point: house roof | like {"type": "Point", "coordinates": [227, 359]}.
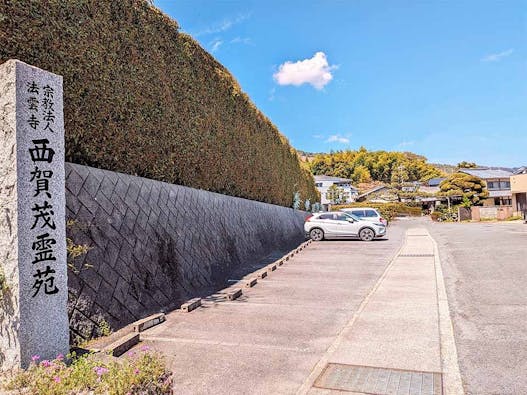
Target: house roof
{"type": "Point", "coordinates": [521, 170]}
{"type": "Point", "coordinates": [331, 178]}
{"type": "Point", "coordinates": [487, 173]}
{"type": "Point", "coordinates": [434, 182]}
{"type": "Point", "coordinates": [376, 189]}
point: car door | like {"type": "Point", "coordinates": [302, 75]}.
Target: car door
{"type": "Point", "coordinates": [345, 227]}
{"type": "Point", "coordinates": [328, 224]}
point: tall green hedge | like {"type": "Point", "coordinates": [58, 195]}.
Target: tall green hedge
{"type": "Point", "coordinates": [143, 98]}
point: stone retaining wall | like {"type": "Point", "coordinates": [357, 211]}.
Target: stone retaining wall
{"type": "Point", "coordinates": [153, 245]}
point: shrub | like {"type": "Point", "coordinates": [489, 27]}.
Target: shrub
{"type": "Point", "coordinates": [387, 210]}
{"type": "Point", "coordinates": [142, 98]}
{"type": "Point", "coordinates": [138, 373]}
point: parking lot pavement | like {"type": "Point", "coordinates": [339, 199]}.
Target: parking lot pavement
{"type": "Point", "coordinates": [485, 270]}
{"type": "Point", "coordinates": [270, 340]}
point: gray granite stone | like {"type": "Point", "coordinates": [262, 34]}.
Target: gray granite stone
{"type": "Point", "coordinates": [33, 235]}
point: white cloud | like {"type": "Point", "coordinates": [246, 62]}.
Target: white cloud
{"type": "Point", "coordinates": [496, 57]}
{"type": "Point", "coordinates": [223, 25]}
{"type": "Point", "coordinates": [215, 45]}
{"type": "Point", "coordinates": [315, 71]}
{"type": "Point", "coordinates": [241, 40]}
{"type": "Point", "coordinates": [337, 139]}
{"type": "Point", "coordinates": [271, 94]}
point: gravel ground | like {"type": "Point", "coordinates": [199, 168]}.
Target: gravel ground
{"type": "Point", "coordinates": [485, 269]}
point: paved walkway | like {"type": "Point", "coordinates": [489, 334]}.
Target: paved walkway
{"type": "Point", "coordinates": [340, 316]}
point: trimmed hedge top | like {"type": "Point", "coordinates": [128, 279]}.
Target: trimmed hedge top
{"type": "Point", "coordinates": [142, 98]}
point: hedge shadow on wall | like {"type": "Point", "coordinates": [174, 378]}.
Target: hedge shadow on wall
{"type": "Point", "coordinates": [145, 99]}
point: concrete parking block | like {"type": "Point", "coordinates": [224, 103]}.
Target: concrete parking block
{"type": "Point", "coordinates": [234, 294]}
{"type": "Point", "coordinates": [192, 304]}
{"type": "Point", "coordinates": [120, 346]}
{"type": "Point", "coordinates": [148, 322]}
{"type": "Point", "coordinates": [251, 282]}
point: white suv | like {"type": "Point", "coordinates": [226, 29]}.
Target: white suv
{"type": "Point", "coordinates": [367, 214]}
{"type": "Point", "coordinates": [340, 225]}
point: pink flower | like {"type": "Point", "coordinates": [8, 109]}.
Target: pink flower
{"type": "Point", "coordinates": [131, 353]}
{"type": "Point", "coordinates": [145, 348]}
{"type": "Point", "coordinates": [100, 370]}
{"type": "Point", "coordinates": [46, 363]}
{"type": "Point", "coordinates": [60, 357]}
{"type": "Point", "coordinates": [56, 379]}
{"type": "Point", "coordinates": [136, 371]}
{"type": "Point", "coordinates": [35, 358]}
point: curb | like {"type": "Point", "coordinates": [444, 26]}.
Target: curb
{"type": "Point", "coordinates": [452, 382]}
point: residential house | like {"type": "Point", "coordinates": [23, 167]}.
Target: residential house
{"type": "Point", "coordinates": [379, 194]}
{"type": "Point", "coordinates": [498, 184]}
{"type": "Point", "coordinates": [519, 191]}
{"type": "Point", "coordinates": [431, 189]}
{"type": "Point", "coordinates": [411, 186]}
{"type": "Point", "coordinates": [323, 183]}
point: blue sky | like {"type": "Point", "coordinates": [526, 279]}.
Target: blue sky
{"type": "Point", "coordinates": [445, 79]}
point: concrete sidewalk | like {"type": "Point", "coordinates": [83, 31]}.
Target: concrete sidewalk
{"type": "Point", "coordinates": [341, 316]}
{"type": "Point", "coordinates": [393, 345]}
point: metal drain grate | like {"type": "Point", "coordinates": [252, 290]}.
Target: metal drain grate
{"type": "Point", "coordinates": [379, 381]}
{"type": "Point", "coordinates": [416, 255]}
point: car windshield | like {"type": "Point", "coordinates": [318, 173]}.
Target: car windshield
{"type": "Point", "coordinates": [353, 216]}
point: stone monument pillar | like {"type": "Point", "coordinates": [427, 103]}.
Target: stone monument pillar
{"type": "Point", "coordinates": [33, 296]}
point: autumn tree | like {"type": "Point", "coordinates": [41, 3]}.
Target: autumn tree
{"type": "Point", "coordinates": [470, 188]}
{"type": "Point", "coordinates": [466, 165]}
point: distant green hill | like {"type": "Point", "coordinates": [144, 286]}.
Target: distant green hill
{"type": "Point", "coordinates": [363, 166]}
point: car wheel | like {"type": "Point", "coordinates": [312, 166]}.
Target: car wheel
{"type": "Point", "coordinates": [367, 234]}
{"type": "Point", "coordinates": [316, 234]}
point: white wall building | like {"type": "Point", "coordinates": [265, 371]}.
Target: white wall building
{"type": "Point", "coordinates": [324, 182]}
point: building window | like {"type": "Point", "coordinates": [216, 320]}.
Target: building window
{"type": "Point", "coordinates": [318, 184]}
{"type": "Point", "coordinates": [505, 185]}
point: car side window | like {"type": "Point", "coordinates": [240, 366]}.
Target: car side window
{"type": "Point", "coordinates": [358, 213]}
{"type": "Point", "coordinates": [371, 213]}
{"type": "Point", "coordinates": [326, 216]}
{"type": "Point", "coordinates": [342, 217]}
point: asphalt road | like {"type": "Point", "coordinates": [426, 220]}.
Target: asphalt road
{"type": "Point", "coordinates": [269, 340]}
{"type": "Point", "coordinates": [485, 270]}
